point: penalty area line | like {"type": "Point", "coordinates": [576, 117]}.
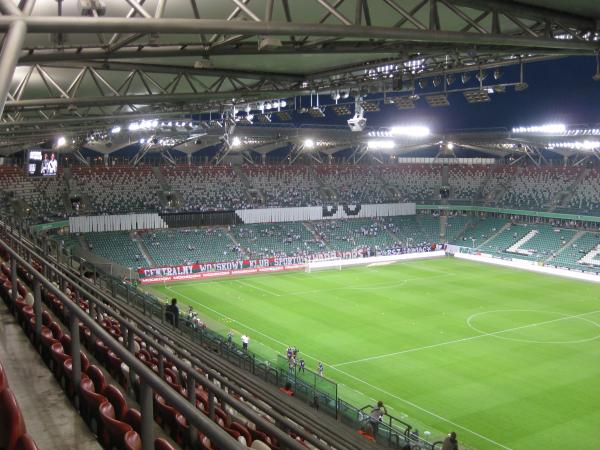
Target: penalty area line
{"type": "Point", "coordinates": [408, 402]}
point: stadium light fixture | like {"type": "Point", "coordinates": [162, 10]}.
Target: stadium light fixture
{"type": "Point", "coordinates": [550, 128]}
{"type": "Point", "coordinates": [116, 130]}
{"type": "Point", "coordinates": [410, 131]}
{"type": "Point", "coordinates": [381, 144]}
{"type": "Point", "coordinates": [134, 126]}
{"type": "Point", "coordinates": [450, 145]}
{"type": "Point", "coordinates": [61, 141]}
{"type": "Point", "coordinates": [236, 141]}
{"type": "Point", "coordinates": [578, 145]}
{"type": "Point", "coordinates": [309, 143]}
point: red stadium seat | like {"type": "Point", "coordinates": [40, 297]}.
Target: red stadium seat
{"type": "Point", "coordinates": [243, 430]}
{"type": "Point", "coordinates": [134, 418]}
{"type": "Point", "coordinates": [133, 441]}
{"type": "Point", "coordinates": [90, 402]}
{"type": "Point", "coordinates": [182, 433]}
{"type": "Point", "coordinates": [162, 444]}
{"type": "Point", "coordinates": [12, 425]}
{"type": "Point", "coordinates": [58, 358]}
{"type": "Point", "coordinates": [97, 377]}
{"type": "Point", "coordinates": [3, 378]}
{"type": "Point", "coordinates": [46, 341]}
{"type": "Point", "coordinates": [114, 430]}
{"type": "Point", "coordinates": [25, 442]}
{"type": "Point", "coordinates": [165, 415]}
{"type": "Point", "coordinates": [117, 400]}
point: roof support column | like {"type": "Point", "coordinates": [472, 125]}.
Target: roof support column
{"type": "Point", "coordinates": [13, 43]}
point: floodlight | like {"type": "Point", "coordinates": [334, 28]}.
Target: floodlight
{"type": "Point", "coordinates": [411, 131]}
{"type": "Point", "coordinates": [381, 144]}
{"type": "Point", "coordinates": [61, 141]}
{"type": "Point", "coordinates": [450, 145]}
{"type": "Point", "coordinates": [134, 126]}
{"type": "Point", "coordinates": [309, 143]}
{"type": "Point", "coordinates": [116, 130]}
{"type": "Point", "coordinates": [236, 141]}
{"type": "Point", "coordinates": [283, 103]}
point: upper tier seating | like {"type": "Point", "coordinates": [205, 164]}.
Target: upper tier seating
{"type": "Point", "coordinates": [586, 193]}
{"type": "Point", "coordinates": [466, 182]}
{"type": "Point", "coordinates": [353, 184]}
{"type": "Point", "coordinates": [284, 185]}
{"type": "Point", "coordinates": [412, 182]}
{"type": "Point", "coordinates": [179, 246]}
{"type": "Point", "coordinates": [44, 195]}
{"type": "Point", "coordinates": [536, 187]}
{"type": "Point", "coordinates": [207, 188]}
{"type": "Point", "coordinates": [117, 189]}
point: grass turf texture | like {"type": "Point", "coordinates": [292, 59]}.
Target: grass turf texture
{"type": "Point", "coordinates": [507, 359]}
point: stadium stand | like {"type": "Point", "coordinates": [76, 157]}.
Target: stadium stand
{"type": "Point", "coordinates": [466, 182]}
{"type": "Point", "coordinates": [573, 253]}
{"type": "Point", "coordinates": [117, 246]}
{"type": "Point", "coordinates": [44, 195]}
{"type": "Point", "coordinates": [585, 196]}
{"type": "Point", "coordinates": [352, 184]}
{"type": "Point", "coordinates": [207, 188]}
{"type": "Point", "coordinates": [278, 239]}
{"type": "Point", "coordinates": [478, 231]}
{"type": "Point", "coordinates": [116, 189]}
{"type": "Point", "coordinates": [412, 182]}
{"type": "Point", "coordinates": [182, 246]}
{"type": "Point", "coordinates": [107, 408]}
{"type": "Point", "coordinates": [284, 185]}
{"type": "Point", "coordinates": [536, 187]}
{"type": "Point", "coordinates": [353, 234]}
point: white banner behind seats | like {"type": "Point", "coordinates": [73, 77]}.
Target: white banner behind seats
{"type": "Point", "coordinates": [308, 213]}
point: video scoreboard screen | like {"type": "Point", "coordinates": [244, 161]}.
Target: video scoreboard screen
{"type": "Point", "coordinates": [41, 163]}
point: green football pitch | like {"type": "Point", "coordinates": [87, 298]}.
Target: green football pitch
{"type": "Point", "coordinates": [507, 359]}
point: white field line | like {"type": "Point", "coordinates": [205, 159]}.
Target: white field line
{"type": "Point", "coordinates": [283, 345]}
{"type": "Point", "coordinates": [470, 338]}
{"type": "Point", "coordinates": [258, 288]}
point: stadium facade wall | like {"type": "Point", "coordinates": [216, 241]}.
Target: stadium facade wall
{"type": "Point", "coordinates": [325, 212]}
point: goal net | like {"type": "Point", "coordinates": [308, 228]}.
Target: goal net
{"type": "Point", "coordinates": [334, 263]}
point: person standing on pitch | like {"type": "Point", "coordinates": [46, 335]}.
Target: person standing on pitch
{"type": "Point", "coordinates": [377, 414]}
{"type": "Point", "coordinates": [245, 341]}
{"type": "Point", "coordinates": [321, 368]}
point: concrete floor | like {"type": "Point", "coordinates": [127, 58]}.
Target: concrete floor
{"type": "Point", "coordinates": [51, 420]}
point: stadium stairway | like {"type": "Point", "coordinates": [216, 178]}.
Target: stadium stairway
{"type": "Point", "coordinates": [567, 245]}
{"type": "Point", "coordinates": [498, 232]}
{"type": "Point", "coordinates": [143, 250]}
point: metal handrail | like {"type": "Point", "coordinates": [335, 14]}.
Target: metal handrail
{"type": "Point", "coordinates": [181, 365]}
{"type": "Point", "coordinates": [148, 379]}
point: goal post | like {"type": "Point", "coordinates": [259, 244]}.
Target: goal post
{"type": "Point", "coordinates": [323, 264]}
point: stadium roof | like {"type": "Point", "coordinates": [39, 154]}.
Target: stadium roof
{"type": "Point", "coordinates": [93, 63]}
